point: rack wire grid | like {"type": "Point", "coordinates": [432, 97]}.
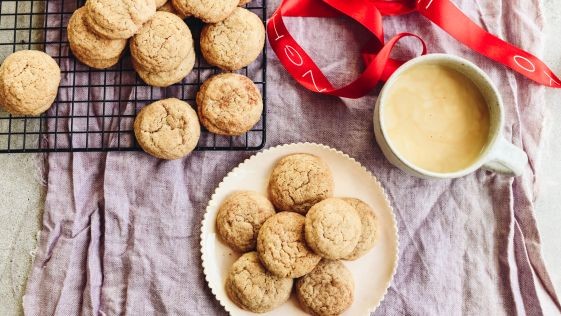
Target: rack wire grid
{"type": "Point", "coordinates": [95, 109]}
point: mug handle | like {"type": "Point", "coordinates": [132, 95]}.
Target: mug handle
{"type": "Point", "coordinates": [506, 159]}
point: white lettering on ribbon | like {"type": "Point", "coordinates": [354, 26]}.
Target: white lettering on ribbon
{"type": "Point", "coordinates": [551, 80]}
{"type": "Point", "coordinates": [275, 28]}
{"type": "Point", "coordinates": [428, 4]}
{"type": "Point", "coordinates": [530, 67]}
{"type": "Point", "coordinates": [290, 52]}
{"type": "Point", "coordinates": [313, 80]}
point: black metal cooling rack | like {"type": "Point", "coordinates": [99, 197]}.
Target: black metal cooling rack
{"type": "Point", "coordinates": [95, 109]}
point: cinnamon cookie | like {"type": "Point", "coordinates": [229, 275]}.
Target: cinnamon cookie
{"type": "Point", "coordinates": [244, 2]}
{"type": "Point", "coordinates": [167, 129]}
{"type": "Point", "coordinates": [282, 248]}
{"type": "Point", "coordinates": [333, 228]}
{"type": "Point", "coordinates": [118, 19]}
{"type": "Point", "coordinates": [253, 288]}
{"type": "Point", "coordinates": [90, 48]}
{"type": "Point", "coordinates": [160, 3]}
{"type": "Point", "coordinates": [229, 104]}
{"type": "Point", "coordinates": [210, 11]}
{"type": "Point", "coordinates": [29, 82]}
{"type": "Point", "coordinates": [240, 217]}
{"type": "Point", "coordinates": [162, 44]}
{"type": "Point", "coordinates": [327, 290]}
{"type": "Point", "coordinates": [369, 228]}
{"type": "Point", "coordinates": [168, 7]}
{"type": "Point", "coordinates": [298, 182]}
{"type": "Point", "coordinates": [167, 78]}
{"type": "Point", "coordinates": [235, 42]}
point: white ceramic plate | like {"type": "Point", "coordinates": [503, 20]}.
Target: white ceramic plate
{"type": "Point", "coordinates": [372, 273]}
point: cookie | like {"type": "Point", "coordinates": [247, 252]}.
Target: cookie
{"type": "Point", "coordinates": [229, 104]}
{"type": "Point", "coordinates": [162, 44]}
{"type": "Point", "coordinates": [209, 11]}
{"type": "Point", "coordinates": [90, 48]}
{"type": "Point", "coordinates": [240, 217]}
{"type": "Point", "coordinates": [160, 3]}
{"type": "Point", "coordinates": [29, 82]}
{"type": "Point", "coordinates": [118, 19]}
{"type": "Point", "coordinates": [369, 229]}
{"type": "Point", "coordinates": [167, 129]}
{"type": "Point", "coordinates": [327, 290]}
{"type": "Point", "coordinates": [168, 7]}
{"type": "Point", "coordinates": [235, 42]}
{"type": "Point", "coordinates": [299, 181]}
{"type": "Point", "coordinates": [282, 248]}
{"type": "Point", "coordinates": [253, 288]}
{"type": "Point", "coordinates": [244, 2]}
{"type": "Point", "coordinates": [167, 78]}
{"type": "Point", "coordinates": [333, 228]}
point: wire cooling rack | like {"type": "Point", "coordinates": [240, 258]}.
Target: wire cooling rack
{"type": "Point", "coordinates": [95, 109]}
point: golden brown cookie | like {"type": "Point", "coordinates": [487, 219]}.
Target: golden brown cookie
{"type": "Point", "coordinates": [229, 104]}
{"type": "Point", "coordinates": [168, 7]}
{"type": "Point", "coordinates": [29, 82]}
{"type": "Point", "coordinates": [299, 181]}
{"type": "Point", "coordinates": [282, 248]}
{"type": "Point", "coordinates": [167, 78]}
{"type": "Point", "coordinates": [240, 217]}
{"type": "Point", "coordinates": [167, 129]}
{"type": "Point", "coordinates": [253, 288]}
{"type": "Point", "coordinates": [369, 228]}
{"type": "Point", "coordinates": [162, 44]}
{"type": "Point", "coordinates": [327, 290]}
{"type": "Point", "coordinates": [160, 3]}
{"type": "Point", "coordinates": [209, 11]}
{"type": "Point", "coordinates": [118, 19]}
{"type": "Point", "coordinates": [333, 228]}
{"type": "Point", "coordinates": [235, 42]}
{"type": "Point", "coordinates": [244, 2]}
{"type": "Point", "coordinates": [90, 48]}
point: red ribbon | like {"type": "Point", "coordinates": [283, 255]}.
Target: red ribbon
{"type": "Point", "coordinates": [379, 66]}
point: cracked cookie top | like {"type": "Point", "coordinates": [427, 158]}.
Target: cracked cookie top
{"type": "Point", "coordinates": [299, 181]}
{"type": "Point", "coordinates": [282, 248]}
{"type": "Point", "coordinates": [210, 11]}
{"type": "Point", "coordinates": [118, 19]}
{"type": "Point", "coordinates": [240, 217]}
{"type": "Point", "coordinates": [229, 104]}
{"type": "Point", "coordinates": [250, 286]}
{"type": "Point", "coordinates": [29, 81]}
{"type": "Point", "coordinates": [369, 229]}
{"type": "Point", "coordinates": [333, 228]}
{"type": "Point", "coordinates": [327, 290]}
{"type": "Point", "coordinates": [235, 42]}
{"type": "Point", "coordinates": [167, 78]}
{"type": "Point", "coordinates": [167, 129]}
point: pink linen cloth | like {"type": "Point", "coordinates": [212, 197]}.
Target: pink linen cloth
{"type": "Point", "coordinates": [121, 230]}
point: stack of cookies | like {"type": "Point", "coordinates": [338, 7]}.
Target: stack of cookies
{"type": "Point", "coordinates": [296, 239]}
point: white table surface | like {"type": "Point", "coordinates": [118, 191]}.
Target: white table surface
{"type": "Point", "coordinates": [22, 195]}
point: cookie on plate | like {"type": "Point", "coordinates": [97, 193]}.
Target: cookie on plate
{"type": "Point", "coordinates": [168, 7]}
{"type": "Point", "coordinates": [167, 78]}
{"type": "Point", "coordinates": [327, 290]}
{"type": "Point", "coordinates": [118, 19]}
{"type": "Point", "coordinates": [235, 42]}
{"type": "Point", "coordinates": [208, 11]}
{"type": "Point", "coordinates": [299, 181]}
{"type": "Point", "coordinates": [282, 248]}
{"type": "Point", "coordinates": [167, 129]}
{"type": "Point", "coordinates": [369, 229]}
{"type": "Point", "coordinates": [240, 217]}
{"type": "Point", "coordinates": [333, 228]}
{"type": "Point", "coordinates": [162, 44]}
{"type": "Point", "coordinates": [29, 82]}
{"type": "Point", "coordinates": [91, 49]}
{"type": "Point", "coordinates": [250, 286]}
{"type": "Point", "coordinates": [229, 104]}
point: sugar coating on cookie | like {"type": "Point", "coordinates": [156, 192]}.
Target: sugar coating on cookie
{"type": "Point", "coordinates": [90, 48]}
{"type": "Point", "coordinates": [327, 290]}
{"type": "Point", "coordinates": [118, 19]}
{"type": "Point", "coordinates": [282, 247]}
{"type": "Point", "coordinates": [162, 44]}
{"type": "Point", "coordinates": [333, 228]}
{"type": "Point", "coordinates": [29, 82]}
{"type": "Point", "coordinates": [250, 286]}
{"type": "Point", "coordinates": [167, 78]}
{"type": "Point", "coordinates": [167, 129]}
{"type": "Point", "coordinates": [240, 217]}
{"type": "Point", "coordinates": [235, 42]}
{"type": "Point", "coordinates": [229, 104]}
{"type": "Point", "coordinates": [369, 229]}
{"type": "Point", "coordinates": [168, 7]}
{"type": "Point", "coordinates": [209, 11]}
{"type": "Point", "coordinates": [299, 181]}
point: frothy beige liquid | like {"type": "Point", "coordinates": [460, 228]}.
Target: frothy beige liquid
{"type": "Point", "coordinates": [436, 118]}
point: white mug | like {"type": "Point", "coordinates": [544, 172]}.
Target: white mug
{"type": "Point", "coordinates": [499, 155]}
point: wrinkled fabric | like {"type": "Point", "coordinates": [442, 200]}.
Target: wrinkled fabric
{"type": "Point", "coordinates": [121, 230]}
